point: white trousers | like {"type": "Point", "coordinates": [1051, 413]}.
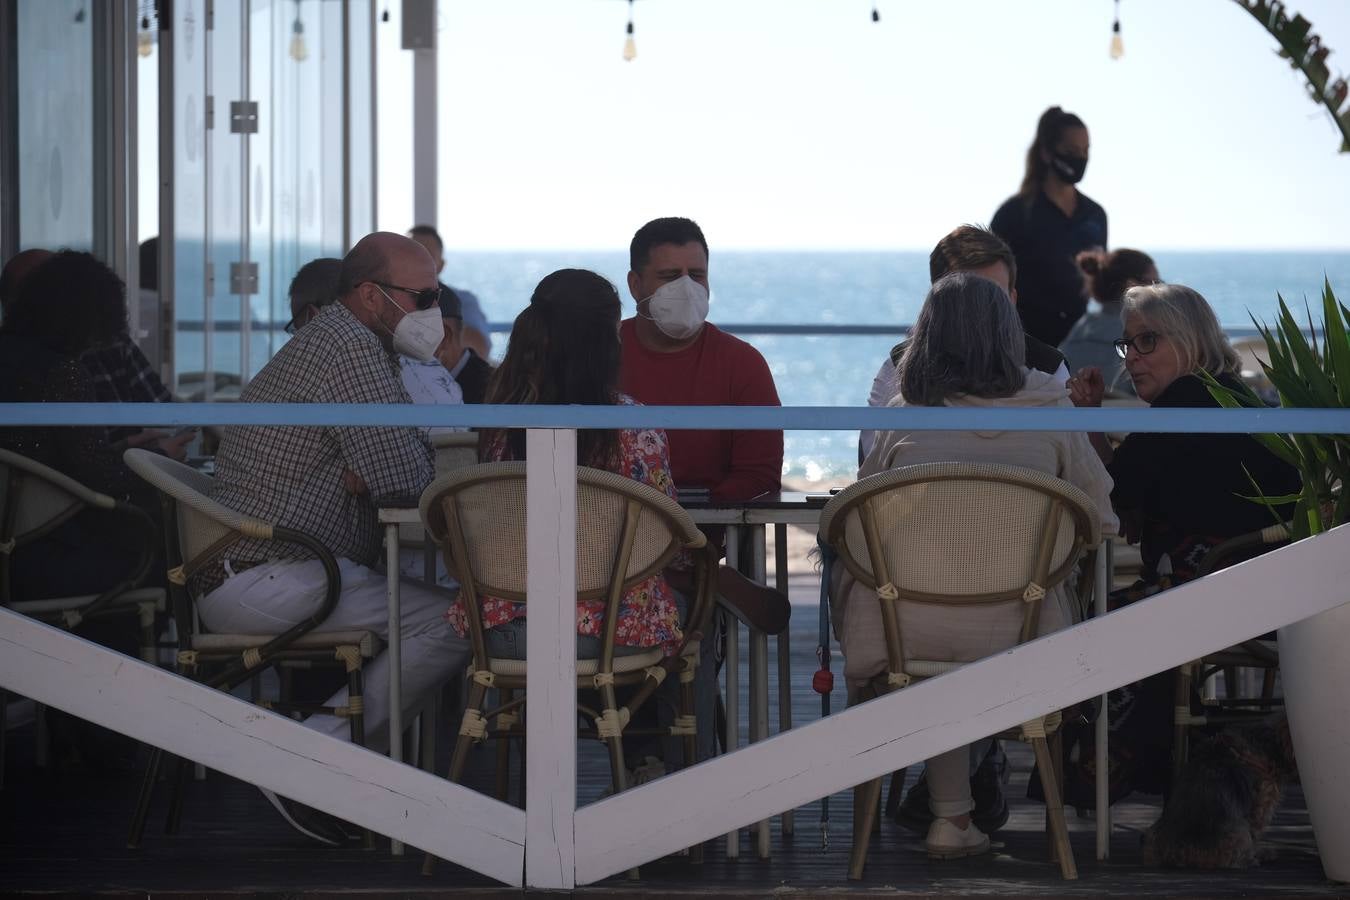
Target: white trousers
{"type": "Point", "coordinates": [272, 597]}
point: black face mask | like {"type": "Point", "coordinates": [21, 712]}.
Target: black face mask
{"type": "Point", "coordinates": [1069, 168]}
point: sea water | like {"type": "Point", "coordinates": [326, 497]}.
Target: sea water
{"type": "Point", "coordinates": [878, 288]}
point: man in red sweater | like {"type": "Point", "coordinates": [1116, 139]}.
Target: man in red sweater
{"type": "Point", "coordinates": [672, 356]}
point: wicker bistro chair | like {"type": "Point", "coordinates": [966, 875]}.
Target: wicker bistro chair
{"type": "Point", "coordinates": [198, 532]}
{"type": "Point", "coordinates": [961, 535]}
{"type": "Point", "coordinates": [626, 533]}
{"type": "Point", "coordinates": [1257, 653]}
{"type": "Point", "coordinates": [36, 499]}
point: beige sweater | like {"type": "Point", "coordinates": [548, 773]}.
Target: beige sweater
{"type": "Point", "coordinates": [929, 630]}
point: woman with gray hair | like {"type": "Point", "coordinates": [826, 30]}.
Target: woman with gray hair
{"type": "Point", "coordinates": [966, 350]}
{"type": "Point", "coordinates": [1179, 494]}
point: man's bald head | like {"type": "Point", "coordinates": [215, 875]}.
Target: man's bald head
{"type": "Point", "coordinates": [16, 270]}
{"type": "Point", "coordinates": [377, 256]}
{"type": "Point", "coordinates": [380, 278]}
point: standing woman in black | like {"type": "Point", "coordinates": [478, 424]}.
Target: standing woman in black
{"type": "Point", "coordinates": [1048, 222]}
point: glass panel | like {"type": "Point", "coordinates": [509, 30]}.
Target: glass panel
{"type": "Point", "coordinates": [321, 186]}
{"type": "Point", "coordinates": [152, 324]}
{"type": "Point", "coordinates": [56, 187]}
{"type": "Point", "coordinates": [360, 196]}
{"type": "Point", "coordinates": [227, 204]}
{"type": "Point", "coordinates": [188, 119]}
{"type": "Point", "coordinates": [264, 210]}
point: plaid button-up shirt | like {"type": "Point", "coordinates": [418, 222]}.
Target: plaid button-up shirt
{"type": "Point", "coordinates": [292, 475]}
{"type": "Point", "coordinates": [122, 374]}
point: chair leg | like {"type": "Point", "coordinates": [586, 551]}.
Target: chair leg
{"type": "Point", "coordinates": [617, 765]}
{"type": "Point", "coordinates": [866, 799]}
{"type": "Point", "coordinates": [143, 801]}
{"type": "Point", "coordinates": [688, 708]}
{"type": "Point", "coordinates": [459, 758]}
{"type": "Point", "coordinates": [1181, 730]}
{"type": "Point", "coordinates": [356, 704]}
{"type": "Point", "coordinates": [1267, 688]}
{"type": "Point", "coordinates": [174, 820]}
{"type": "Point", "coordinates": [1054, 804]}
{"type": "Point", "coordinates": [893, 792]}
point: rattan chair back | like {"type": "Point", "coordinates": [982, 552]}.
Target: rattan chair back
{"type": "Point", "coordinates": [35, 499]}
{"type": "Point", "coordinates": [478, 515]}
{"type": "Point", "coordinates": [203, 527]}
{"type": "Point", "coordinates": [960, 532]}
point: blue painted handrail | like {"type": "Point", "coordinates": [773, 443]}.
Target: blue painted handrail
{"type": "Point", "coordinates": [785, 418]}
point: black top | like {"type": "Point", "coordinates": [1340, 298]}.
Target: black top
{"type": "Point", "coordinates": [1051, 290]}
{"type": "Point", "coordinates": [1040, 356]}
{"type": "Point", "coordinates": [1186, 491]}
{"type": "Point", "coordinates": [473, 376]}
{"type": "Point", "coordinates": [30, 373]}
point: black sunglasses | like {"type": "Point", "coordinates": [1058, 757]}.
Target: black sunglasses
{"type": "Point", "coordinates": [1144, 343]}
{"type": "Point", "coordinates": [422, 299]}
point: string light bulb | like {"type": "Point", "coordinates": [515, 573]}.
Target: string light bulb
{"type": "Point", "coordinates": [1117, 44]}
{"type": "Point", "coordinates": [145, 44]}
{"type": "Point", "coordinates": [299, 51]}
{"type": "Point", "coordinates": [630, 45]}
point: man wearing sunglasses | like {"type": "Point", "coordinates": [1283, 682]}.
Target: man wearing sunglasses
{"type": "Point", "coordinates": [325, 480]}
{"type": "Point", "coordinates": [314, 286]}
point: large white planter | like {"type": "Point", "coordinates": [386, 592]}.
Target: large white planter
{"type": "Point", "coordinates": [1315, 668]}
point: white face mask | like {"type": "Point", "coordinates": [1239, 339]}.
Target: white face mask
{"type": "Point", "coordinates": [679, 308]}
{"type": "Point", "coordinates": [418, 333]}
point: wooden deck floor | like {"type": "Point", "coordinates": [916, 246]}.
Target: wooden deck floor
{"type": "Point", "coordinates": [63, 834]}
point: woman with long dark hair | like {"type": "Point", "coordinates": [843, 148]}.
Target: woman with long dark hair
{"type": "Point", "coordinates": [565, 349]}
{"type": "Point", "coordinates": [1048, 222]}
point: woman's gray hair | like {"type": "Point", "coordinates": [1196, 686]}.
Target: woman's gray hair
{"type": "Point", "coordinates": [966, 340]}
{"type": "Point", "coordinates": [1189, 323]}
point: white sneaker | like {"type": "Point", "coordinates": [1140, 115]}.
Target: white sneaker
{"type": "Point", "coordinates": [946, 841]}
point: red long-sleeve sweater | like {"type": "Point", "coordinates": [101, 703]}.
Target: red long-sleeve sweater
{"type": "Point", "coordinates": [716, 370]}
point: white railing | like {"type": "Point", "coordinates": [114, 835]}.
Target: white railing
{"type": "Point", "coordinates": [552, 844]}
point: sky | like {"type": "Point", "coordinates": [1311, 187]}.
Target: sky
{"type": "Point", "coordinates": [801, 124]}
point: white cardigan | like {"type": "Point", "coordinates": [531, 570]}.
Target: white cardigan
{"type": "Point", "coordinates": [1066, 455]}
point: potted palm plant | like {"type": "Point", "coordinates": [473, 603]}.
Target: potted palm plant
{"type": "Point", "coordinates": [1314, 664]}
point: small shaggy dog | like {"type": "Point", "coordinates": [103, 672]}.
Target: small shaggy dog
{"type": "Point", "coordinates": [1224, 799]}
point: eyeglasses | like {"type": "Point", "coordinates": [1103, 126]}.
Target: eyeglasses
{"type": "Point", "coordinates": [1144, 343]}
{"type": "Point", "coordinates": [422, 299]}
{"type": "Point", "coordinates": [300, 319]}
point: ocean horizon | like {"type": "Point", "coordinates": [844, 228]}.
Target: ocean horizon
{"type": "Point", "coordinates": [815, 287]}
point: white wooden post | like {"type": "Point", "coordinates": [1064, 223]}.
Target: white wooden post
{"type": "Point", "coordinates": [551, 651]}
{"type": "Point", "coordinates": [983, 698]}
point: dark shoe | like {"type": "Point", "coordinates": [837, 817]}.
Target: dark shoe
{"type": "Point", "coordinates": [991, 807]}
{"type": "Point", "coordinates": [986, 789]}
{"type": "Point", "coordinates": [913, 812]}
{"type": "Point", "coordinates": [310, 822]}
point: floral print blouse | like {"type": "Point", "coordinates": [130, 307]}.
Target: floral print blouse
{"type": "Point", "coordinates": [648, 615]}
